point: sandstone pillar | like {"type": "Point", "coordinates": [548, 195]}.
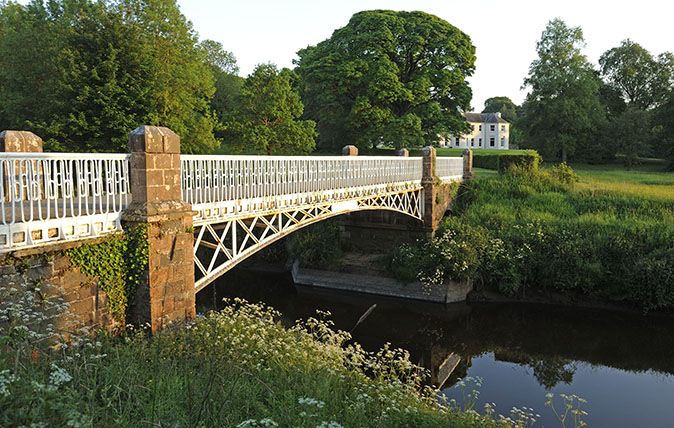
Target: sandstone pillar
{"type": "Point", "coordinates": [403, 152]}
{"type": "Point", "coordinates": [349, 151]}
{"type": "Point", "coordinates": [429, 181]}
{"type": "Point", "coordinates": [468, 164]}
{"type": "Point", "coordinates": [167, 293]}
{"type": "Point", "coordinates": [20, 141]}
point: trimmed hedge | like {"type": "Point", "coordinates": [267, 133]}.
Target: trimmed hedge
{"type": "Point", "coordinates": [529, 161]}
{"type": "Point", "coordinates": [499, 160]}
{"type": "Point", "coordinates": [502, 160]}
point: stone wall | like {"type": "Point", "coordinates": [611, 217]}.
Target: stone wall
{"type": "Point", "coordinates": [378, 230]}
{"type": "Point", "coordinates": [50, 270]}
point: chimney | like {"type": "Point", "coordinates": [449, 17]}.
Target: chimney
{"type": "Point", "coordinates": [498, 114]}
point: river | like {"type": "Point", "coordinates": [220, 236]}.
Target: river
{"type": "Point", "coordinates": [621, 363]}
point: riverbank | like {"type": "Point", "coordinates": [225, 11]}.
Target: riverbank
{"type": "Point", "coordinates": [238, 367]}
{"type": "Point", "coordinates": [548, 233]}
{"type": "Point", "coordinates": [521, 351]}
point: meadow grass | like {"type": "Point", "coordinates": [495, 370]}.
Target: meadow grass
{"type": "Point", "coordinates": [649, 181]}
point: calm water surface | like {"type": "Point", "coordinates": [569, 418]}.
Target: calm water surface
{"type": "Point", "coordinates": [622, 363]}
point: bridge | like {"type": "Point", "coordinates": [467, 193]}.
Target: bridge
{"type": "Point", "coordinates": [231, 206]}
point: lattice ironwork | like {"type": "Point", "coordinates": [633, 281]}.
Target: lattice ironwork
{"type": "Point", "coordinates": [220, 246]}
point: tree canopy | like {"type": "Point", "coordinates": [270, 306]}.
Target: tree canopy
{"type": "Point", "coordinates": [644, 81]}
{"type": "Point", "coordinates": [228, 83]}
{"type": "Point", "coordinates": [504, 105]}
{"type": "Point", "coordinates": [562, 111]}
{"type": "Point", "coordinates": [388, 77]}
{"type": "Point", "coordinates": [267, 120]}
{"type": "Point", "coordinates": [83, 73]}
{"type": "Point", "coordinates": [665, 130]}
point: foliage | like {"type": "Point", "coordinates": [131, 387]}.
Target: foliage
{"type": "Point", "coordinates": [665, 131]}
{"type": "Point", "coordinates": [316, 245]}
{"type": "Point", "coordinates": [529, 160]}
{"type": "Point", "coordinates": [228, 84]}
{"type": "Point", "coordinates": [218, 57]}
{"type": "Point", "coordinates": [501, 159]}
{"type": "Point", "coordinates": [453, 254]}
{"type": "Point", "coordinates": [563, 111]}
{"type": "Point", "coordinates": [504, 105]}
{"type": "Point", "coordinates": [388, 77]}
{"type": "Point", "coordinates": [564, 173]}
{"type": "Point", "coordinates": [570, 411]}
{"type": "Point", "coordinates": [267, 119]}
{"type": "Point", "coordinates": [240, 367]}
{"type": "Point", "coordinates": [83, 73]}
{"type": "Point", "coordinates": [28, 319]}
{"type": "Point", "coordinates": [510, 112]}
{"type": "Point", "coordinates": [631, 135]}
{"type": "Point", "coordinates": [542, 231]}
{"type": "Point", "coordinates": [118, 263]}
{"type": "Point", "coordinates": [643, 81]}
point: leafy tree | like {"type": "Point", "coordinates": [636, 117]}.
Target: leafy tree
{"type": "Point", "coordinates": [227, 83]}
{"type": "Point", "coordinates": [612, 99]}
{"type": "Point", "coordinates": [84, 73]}
{"type": "Point", "coordinates": [388, 77]}
{"type": "Point", "coordinates": [563, 111]}
{"type": "Point", "coordinates": [630, 135]}
{"type": "Point", "coordinates": [664, 120]}
{"type": "Point", "coordinates": [644, 81]}
{"type": "Point", "coordinates": [267, 119]}
{"type": "Point", "coordinates": [218, 57]}
{"type": "Point", "coordinates": [504, 105]}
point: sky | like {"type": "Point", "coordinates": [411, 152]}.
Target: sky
{"type": "Point", "coordinates": [503, 32]}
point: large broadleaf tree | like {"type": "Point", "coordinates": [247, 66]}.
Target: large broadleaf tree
{"type": "Point", "coordinates": [388, 77]}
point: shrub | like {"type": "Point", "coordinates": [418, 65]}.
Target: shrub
{"type": "Point", "coordinates": [530, 160]}
{"type": "Point", "coordinates": [564, 173]}
{"type": "Point", "coordinates": [316, 245]}
{"type": "Point", "coordinates": [501, 160]}
{"type": "Point", "coordinates": [454, 254]}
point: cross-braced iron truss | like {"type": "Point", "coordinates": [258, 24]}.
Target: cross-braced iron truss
{"type": "Point", "coordinates": [220, 245]}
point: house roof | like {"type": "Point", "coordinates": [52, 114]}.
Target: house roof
{"type": "Point", "coordinates": [484, 118]}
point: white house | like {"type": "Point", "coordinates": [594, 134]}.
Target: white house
{"type": "Point", "coordinates": [489, 131]}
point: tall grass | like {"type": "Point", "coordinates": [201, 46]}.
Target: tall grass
{"type": "Point", "coordinates": [236, 368]}
{"type": "Point", "coordinates": [542, 231]}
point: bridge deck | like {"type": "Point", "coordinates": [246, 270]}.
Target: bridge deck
{"type": "Point", "coordinates": [47, 197]}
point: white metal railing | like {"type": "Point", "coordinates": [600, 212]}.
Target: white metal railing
{"type": "Point", "coordinates": [55, 196]}
{"type": "Point", "coordinates": [233, 184]}
{"type": "Point", "coordinates": [449, 168]}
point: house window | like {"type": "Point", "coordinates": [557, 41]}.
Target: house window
{"type": "Point", "coordinates": [472, 142]}
{"type": "Point", "coordinates": [492, 127]}
{"type": "Point", "coordinates": [492, 141]}
{"type": "Point", "coordinates": [480, 127]}
{"type": "Point", "coordinates": [457, 141]}
{"type": "Point", "coordinates": [502, 128]}
{"type": "Point", "coordinates": [502, 141]}
{"type": "Point", "coordinates": [479, 142]}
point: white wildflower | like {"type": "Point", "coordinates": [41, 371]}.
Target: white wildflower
{"type": "Point", "coordinates": [6, 378]}
{"type": "Point", "coordinates": [59, 376]}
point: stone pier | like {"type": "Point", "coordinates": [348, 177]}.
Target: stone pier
{"type": "Point", "coordinates": [167, 292]}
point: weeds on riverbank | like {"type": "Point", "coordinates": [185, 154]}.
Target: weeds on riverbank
{"type": "Point", "coordinates": [239, 367]}
{"type": "Point", "coordinates": [534, 230]}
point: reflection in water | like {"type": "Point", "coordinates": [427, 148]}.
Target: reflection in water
{"type": "Point", "coordinates": [622, 363]}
